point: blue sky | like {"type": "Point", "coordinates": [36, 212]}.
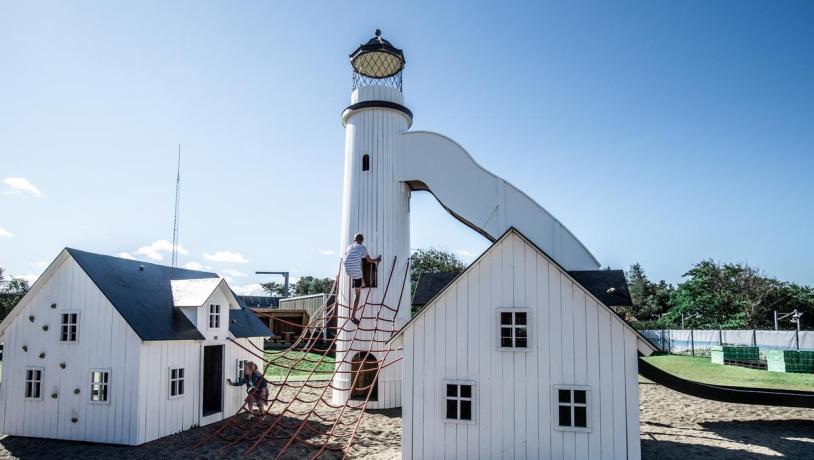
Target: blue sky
{"type": "Point", "coordinates": [657, 132]}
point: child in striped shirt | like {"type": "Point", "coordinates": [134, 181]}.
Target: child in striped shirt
{"type": "Point", "coordinates": [353, 267]}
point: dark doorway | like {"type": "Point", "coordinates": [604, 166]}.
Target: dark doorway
{"type": "Point", "coordinates": [363, 371]}
{"type": "Point", "coordinates": [213, 380]}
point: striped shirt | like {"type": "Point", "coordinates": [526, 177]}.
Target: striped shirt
{"type": "Point", "coordinates": [353, 260]}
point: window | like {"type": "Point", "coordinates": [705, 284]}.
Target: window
{"type": "Point", "coordinates": [69, 327]}
{"type": "Point", "coordinates": [458, 401]}
{"type": "Point", "coordinates": [214, 316]}
{"type": "Point", "coordinates": [241, 364]}
{"type": "Point", "coordinates": [370, 273]}
{"type": "Point", "coordinates": [176, 382]}
{"type": "Point", "coordinates": [572, 407]}
{"type": "Point", "coordinates": [366, 162]}
{"type": "Point", "coordinates": [33, 383]}
{"type": "Point", "coordinates": [513, 328]}
{"type": "Point", "coordinates": [99, 383]}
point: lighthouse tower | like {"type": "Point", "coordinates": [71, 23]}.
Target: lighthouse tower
{"type": "Point", "coordinates": [375, 203]}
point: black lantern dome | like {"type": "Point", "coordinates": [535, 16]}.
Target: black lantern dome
{"type": "Point", "coordinates": [377, 63]}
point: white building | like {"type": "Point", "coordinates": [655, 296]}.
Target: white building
{"type": "Point", "coordinates": [516, 359]}
{"type": "Point", "coordinates": [118, 351]}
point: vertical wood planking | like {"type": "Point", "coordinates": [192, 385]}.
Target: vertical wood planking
{"type": "Point", "coordinates": [619, 410]}
{"type": "Point", "coordinates": [592, 349]}
{"type": "Point", "coordinates": [581, 360]}
{"type": "Point", "coordinates": [532, 377]}
{"type": "Point", "coordinates": [555, 344]}
{"type": "Point", "coordinates": [632, 396]}
{"type": "Point", "coordinates": [606, 384]}
{"type": "Point", "coordinates": [519, 357]}
{"type": "Point", "coordinates": [543, 351]}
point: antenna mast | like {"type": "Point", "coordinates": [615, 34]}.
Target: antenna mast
{"type": "Point", "coordinates": [175, 219]}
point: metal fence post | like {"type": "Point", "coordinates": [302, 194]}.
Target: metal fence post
{"type": "Point", "coordinates": [692, 342]}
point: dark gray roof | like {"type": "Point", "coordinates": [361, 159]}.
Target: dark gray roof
{"type": "Point", "coordinates": [599, 282]}
{"type": "Point", "coordinates": [260, 301]}
{"type": "Point", "coordinates": [429, 284]}
{"type": "Point", "coordinates": [144, 297]}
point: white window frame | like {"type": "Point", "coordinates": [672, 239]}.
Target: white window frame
{"type": "Point", "coordinates": [40, 382]}
{"type": "Point", "coordinates": [572, 404]}
{"type": "Point", "coordinates": [175, 380]}
{"type": "Point", "coordinates": [100, 384]}
{"type": "Point", "coordinates": [514, 327]}
{"type": "Point", "coordinates": [76, 326]}
{"type": "Point", "coordinates": [239, 366]}
{"type": "Point", "coordinates": [214, 315]}
{"type": "Point", "coordinates": [445, 398]}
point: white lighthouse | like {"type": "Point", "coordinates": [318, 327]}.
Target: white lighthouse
{"type": "Point", "coordinates": [375, 203]}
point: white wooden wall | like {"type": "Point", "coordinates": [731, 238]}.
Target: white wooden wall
{"type": "Point", "coordinates": [105, 342]}
{"type": "Point", "coordinates": [574, 340]}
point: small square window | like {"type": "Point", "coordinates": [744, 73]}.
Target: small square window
{"type": "Point", "coordinates": [572, 408]}
{"type": "Point", "coordinates": [33, 383]}
{"type": "Point", "coordinates": [513, 329]}
{"type": "Point", "coordinates": [241, 364]}
{"type": "Point", "coordinates": [69, 327]}
{"type": "Point", "coordinates": [214, 316]}
{"type": "Point", "coordinates": [100, 386]}
{"type": "Point", "coordinates": [176, 382]}
{"type": "Point", "coordinates": [458, 401]}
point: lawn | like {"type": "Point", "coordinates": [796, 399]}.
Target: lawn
{"type": "Point", "coordinates": [301, 363]}
{"type": "Point", "coordinates": [702, 370]}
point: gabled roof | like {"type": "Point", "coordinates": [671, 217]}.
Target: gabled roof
{"type": "Point", "coordinates": [429, 284]}
{"type": "Point", "coordinates": [141, 292]}
{"type": "Point", "coordinates": [514, 231]}
{"type": "Point", "coordinates": [194, 292]}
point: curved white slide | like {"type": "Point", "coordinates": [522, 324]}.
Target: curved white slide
{"type": "Point", "coordinates": [484, 201]}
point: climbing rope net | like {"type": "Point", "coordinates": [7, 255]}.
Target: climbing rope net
{"type": "Point", "coordinates": [299, 410]}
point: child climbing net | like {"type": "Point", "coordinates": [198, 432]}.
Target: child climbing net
{"type": "Point", "coordinates": [322, 426]}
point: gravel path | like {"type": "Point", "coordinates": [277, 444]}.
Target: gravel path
{"type": "Point", "coordinates": [673, 426]}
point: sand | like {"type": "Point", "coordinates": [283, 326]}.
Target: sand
{"type": "Point", "coordinates": [673, 426]}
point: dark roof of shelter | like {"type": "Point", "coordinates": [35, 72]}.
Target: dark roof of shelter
{"type": "Point", "coordinates": [429, 284]}
{"type": "Point", "coordinates": [609, 286]}
{"type": "Point", "coordinates": [260, 301]}
{"type": "Point", "coordinates": [597, 282]}
{"type": "Point", "coordinates": [144, 297]}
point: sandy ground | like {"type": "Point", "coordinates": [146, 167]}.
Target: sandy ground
{"type": "Point", "coordinates": [673, 426]}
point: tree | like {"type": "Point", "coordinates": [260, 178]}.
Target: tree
{"type": "Point", "coordinates": [273, 288]}
{"type": "Point", "coordinates": [310, 285]}
{"type": "Point", "coordinates": [650, 300]}
{"type": "Point", "coordinates": [12, 290]}
{"type": "Point", "coordinates": [432, 261]}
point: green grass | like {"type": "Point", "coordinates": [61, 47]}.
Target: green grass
{"type": "Point", "coordinates": [702, 370]}
{"type": "Point", "coordinates": [300, 369]}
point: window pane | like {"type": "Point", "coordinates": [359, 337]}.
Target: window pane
{"type": "Point", "coordinates": [29, 374]}
{"type": "Point", "coordinates": [37, 375]}
{"type": "Point", "coordinates": [506, 342]}
{"type": "Point", "coordinates": [181, 373]}
{"type": "Point", "coordinates": [73, 318]}
{"type": "Point", "coordinates": [72, 337]}
{"type": "Point", "coordinates": [37, 390]}
{"type": "Point", "coordinates": [579, 396]}
{"type": "Point", "coordinates": [521, 343]}
{"type": "Point", "coordinates": [466, 391]}
{"type": "Point", "coordinates": [180, 387]}
{"type": "Point", "coordinates": [565, 416]}
{"type": "Point", "coordinates": [452, 409]}
{"type": "Point", "coordinates": [466, 410]}
{"type": "Point", "coordinates": [520, 332]}
{"type": "Point", "coordinates": [105, 376]}
{"type": "Point", "coordinates": [520, 318]}
{"type": "Point", "coordinates": [104, 393]}
{"type": "Point", "coordinates": [565, 396]}
{"type": "Point", "coordinates": [580, 417]}
{"type": "Point", "coordinates": [452, 390]}
{"type": "Point", "coordinates": [505, 318]}
{"type": "Point", "coordinates": [28, 389]}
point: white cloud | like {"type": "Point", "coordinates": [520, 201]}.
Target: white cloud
{"type": "Point", "coordinates": [226, 256]}
{"type": "Point", "coordinates": [5, 233]}
{"type": "Point", "coordinates": [155, 251]}
{"type": "Point", "coordinates": [326, 252]}
{"type": "Point", "coordinates": [249, 289]}
{"type": "Point", "coordinates": [21, 185]}
{"type": "Point", "coordinates": [193, 266]}
{"type": "Point", "coordinates": [232, 272]}
{"type": "Point", "coordinates": [125, 255]}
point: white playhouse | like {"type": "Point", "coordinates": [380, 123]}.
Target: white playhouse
{"type": "Point", "coordinates": [516, 359]}
{"type": "Point", "coordinates": [118, 351]}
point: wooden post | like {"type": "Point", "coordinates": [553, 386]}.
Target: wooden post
{"type": "Point", "coordinates": [692, 342]}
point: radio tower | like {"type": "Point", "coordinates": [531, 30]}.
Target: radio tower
{"type": "Point", "coordinates": [175, 219]}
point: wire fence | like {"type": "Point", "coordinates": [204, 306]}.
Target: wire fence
{"type": "Point", "coordinates": [698, 342]}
